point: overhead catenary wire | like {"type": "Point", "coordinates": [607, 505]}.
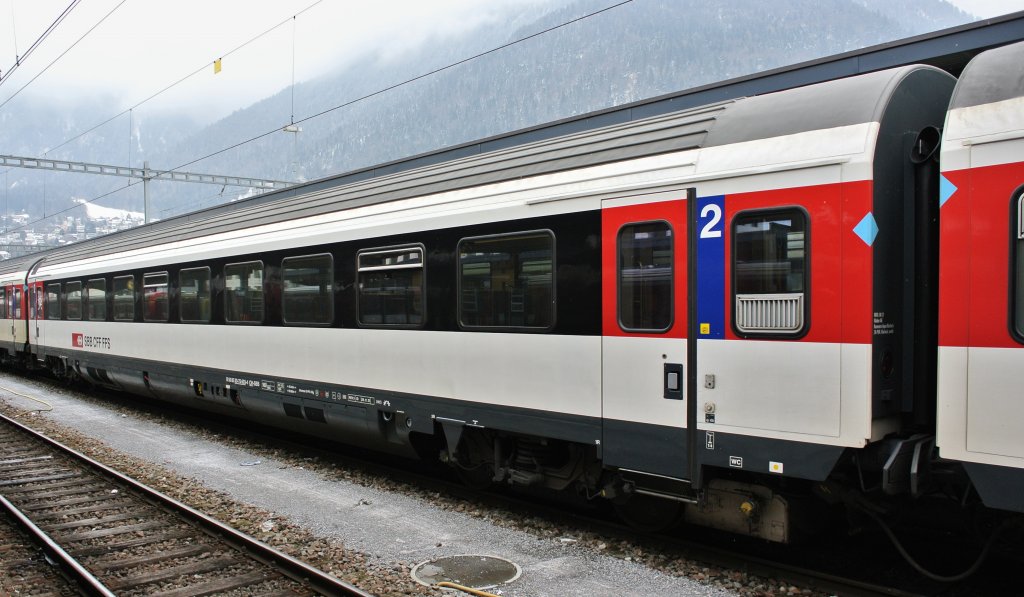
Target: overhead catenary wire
{"type": "Point", "coordinates": [339, 106]}
{"type": "Point", "coordinates": [200, 69]}
{"type": "Point", "coordinates": [14, 32]}
{"type": "Point", "coordinates": [19, 60]}
{"type": "Point", "coordinates": [62, 54]}
{"type": "Point", "coordinates": [408, 81]}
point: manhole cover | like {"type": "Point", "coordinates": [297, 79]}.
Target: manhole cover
{"type": "Point", "coordinates": [476, 572]}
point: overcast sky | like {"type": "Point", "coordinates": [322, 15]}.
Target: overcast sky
{"type": "Point", "coordinates": [988, 8]}
{"type": "Point", "coordinates": [145, 45]}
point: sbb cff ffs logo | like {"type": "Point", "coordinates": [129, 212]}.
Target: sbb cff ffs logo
{"type": "Point", "coordinates": [78, 340]}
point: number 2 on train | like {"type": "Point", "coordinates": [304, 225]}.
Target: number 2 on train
{"type": "Point", "coordinates": [715, 212]}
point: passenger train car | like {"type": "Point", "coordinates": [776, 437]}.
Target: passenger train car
{"type": "Point", "coordinates": [713, 313]}
{"type": "Point", "coordinates": [981, 322]}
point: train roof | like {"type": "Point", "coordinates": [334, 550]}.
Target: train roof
{"type": "Point", "coordinates": [827, 105]}
{"type": "Point", "coordinates": [20, 263]}
{"type": "Point", "coordinates": [991, 77]}
{"type": "Point", "coordinates": [987, 105]}
{"type": "Point", "coordinates": [843, 102]}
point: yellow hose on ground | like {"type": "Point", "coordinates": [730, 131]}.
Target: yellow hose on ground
{"type": "Point", "coordinates": [451, 585]}
{"type": "Point", "coordinates": [49, 407]}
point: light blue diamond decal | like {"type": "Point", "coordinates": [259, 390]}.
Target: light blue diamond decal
{"type": "Point", "coordinates": [946, 190]}
{"type": "Point", "coordinates": [867, 229]}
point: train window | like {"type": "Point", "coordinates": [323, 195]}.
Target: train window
{"type": "Point", "coordinates": [645, 277]}
{"type": "Point", "coordinates": [770, 272]}
{"type": "Point", "coordinates": [124, 298]}
{"type": "Point", "coordinates": [507, 281]}
{"type": "Point", "coordinates": [155, 307]}
{"type": "Point", "coordinates": [96, 300]}
{"type": "Point", "coordinates": [3, 303]}
{"type": "Point", "coordinates": [308, 292]}
{"type": "Point", "coordinates": [243, 292]}
{"type": "Point", "coordinates": [1019, 263]}
{"type": "Point", "coordinates": [53, 301]}
{"type": "Point", "coordinates": [391, 283]}
{"type": "Point", "coordinates": [194, 296]}
{"type": "Point", "coordinates": [16, 303]}
{"type": "Point", "coordinates": [73, 300]}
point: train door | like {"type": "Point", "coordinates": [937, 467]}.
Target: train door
{"type": "Point", "coordinates": [36, 314]}
{"type": "Point", "coordinates": [17, 311]}
{"type": "Point", "coordinates": [7, 335]}
{"type": "Point", "coordinates": [644, 323]}
{"type": "Point", "coordinates": [766, 369]}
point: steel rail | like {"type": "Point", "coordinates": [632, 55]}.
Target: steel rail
{"type": "Point", "coordinates": [85, 580]}
{"type": "Point", "coordinates": [291, 567]}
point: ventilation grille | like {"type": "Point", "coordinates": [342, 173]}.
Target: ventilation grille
{"type": "Point", "coordinates": [769, 313]}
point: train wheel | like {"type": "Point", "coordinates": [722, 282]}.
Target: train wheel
{"type": "Point", "coordinates": [479, 476]}
{"type": "Point", "coordinates": [650, 514]}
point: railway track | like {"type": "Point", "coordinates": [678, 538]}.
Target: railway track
{"type": "Point", "coordinates": [728, 555]}
{"type": "Point", "coordinates": [23, 564]}
{"type": "Point", "coordinates": [113, 535]}
{"type": "Point", "coordinates": [577, 522]}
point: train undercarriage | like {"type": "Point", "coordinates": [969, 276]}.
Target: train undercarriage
{"type": "Point", "coordinates": [875, 485]}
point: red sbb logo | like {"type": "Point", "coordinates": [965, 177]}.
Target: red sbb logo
{"type": "Point", "coordinates": [78, 340]}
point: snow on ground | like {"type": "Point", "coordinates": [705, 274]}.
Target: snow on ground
{"type": "Point", "coordinates": [98, 212]}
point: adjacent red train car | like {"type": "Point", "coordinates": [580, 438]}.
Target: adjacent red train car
{"type": "Point", "coordinates": [981, 324]}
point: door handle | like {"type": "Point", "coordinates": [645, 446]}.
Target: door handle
{"type": "Point", "coordinates": [673, 380]}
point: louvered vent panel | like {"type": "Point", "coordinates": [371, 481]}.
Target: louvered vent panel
{"type": "Point", "coordinates": [769, 313]}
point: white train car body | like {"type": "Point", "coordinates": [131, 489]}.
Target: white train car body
{"type": "Point", "coordinates": [694, 306]}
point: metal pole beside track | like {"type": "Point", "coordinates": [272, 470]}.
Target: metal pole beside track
{"type": "Point", "coordinates": [145, 189]}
